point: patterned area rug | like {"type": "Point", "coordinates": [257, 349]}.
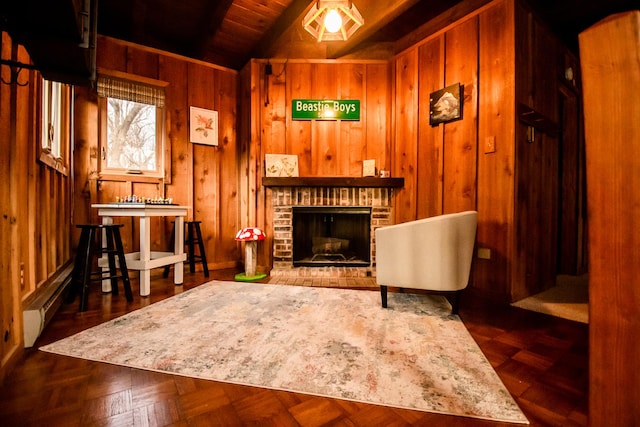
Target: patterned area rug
{"type": "Point", "coordinates": [329, 342]}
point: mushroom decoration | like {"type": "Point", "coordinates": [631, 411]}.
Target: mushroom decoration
{"type": "Point", "coordinates": [250, 236]}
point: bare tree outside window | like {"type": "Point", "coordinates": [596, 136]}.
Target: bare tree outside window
{"type": "Point", "coordinates": [131, 135]}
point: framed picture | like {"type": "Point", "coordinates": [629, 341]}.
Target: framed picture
{"type": "Point", "coordinates": [203, 126]}
{"type": "Point", "coordinates": [281, 165]}
{"type": "Point", "coordinates": [369, 167]}
{"type": "Point", "coordinates": [445, 105]}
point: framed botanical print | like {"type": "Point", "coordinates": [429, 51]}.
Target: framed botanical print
{"type": "Point", "coordinates": [203, 126]}
{"type": "Point", "coordinates": [281, 165]}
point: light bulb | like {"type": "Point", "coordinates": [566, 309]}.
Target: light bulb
{"type": "Point", "coordinates": [333, 21]}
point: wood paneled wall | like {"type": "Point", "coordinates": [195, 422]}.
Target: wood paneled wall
{"type": "Point", "coordinates": [496, 123]}
{"type": "Point", "coordinates": [437, 162]}
{"type": "Point", "coordinates": [610, 52]}
{"type": "Point", "coordinates": [324, 148]}
{"type": "Point", "coordinates": [503, 56]}
{"type": "Point", "coordinates": [35, 200]}
{"type": "Point", "coordinates": [549, 174]}
{"type": "Point", "coordinates": [446, 167]}
{"type": "Point", "coordinates": [205, 178]}
{"type": "Point", "coordinates": [500, 53]}
{"type": "Point", "coordinates": [539, 62]}
{"type": "Point", "coordinates": [328, 148]}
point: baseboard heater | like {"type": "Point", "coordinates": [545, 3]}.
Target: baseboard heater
{"type": "Point", "coordinates": [39, 313]}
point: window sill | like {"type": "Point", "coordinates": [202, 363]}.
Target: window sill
{"type": "Point", "coordinates": [130, 177]}
{"type": "Point", "coordinates": [53, 162]}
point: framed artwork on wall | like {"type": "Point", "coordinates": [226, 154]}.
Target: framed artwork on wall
{"type": "Point", "coordinates": [203, 126]}
{"type": "Point", "coordinates": [281, 165]}
{"type": "Point", "coordinates": [445, 105]}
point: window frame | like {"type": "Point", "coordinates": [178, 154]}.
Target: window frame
{"type": "Point", "coordinates": [115, 174]}
{"type": "Point", "coordinates": [55, 142]}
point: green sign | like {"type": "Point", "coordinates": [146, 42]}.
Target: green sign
{"type": "Point", "coordinates": [325, 109]}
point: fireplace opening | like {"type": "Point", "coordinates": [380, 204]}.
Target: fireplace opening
{"type": "Point", "coordinates": [337, 236]}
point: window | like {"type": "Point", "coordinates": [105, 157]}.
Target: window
{"type": "Point", "coordinates": [131, 136]}
{"type": "Point", "coordinates": [131, 128]}
{"type": "Point", "coordinates": [55, 124]}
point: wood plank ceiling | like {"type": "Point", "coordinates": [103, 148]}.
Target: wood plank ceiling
{"type": "Point", "coordinates": [230, 32]}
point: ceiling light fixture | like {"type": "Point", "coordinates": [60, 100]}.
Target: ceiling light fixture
{"type": "Point", "coordinates": [331, 20]}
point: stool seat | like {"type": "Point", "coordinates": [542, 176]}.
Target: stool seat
{"type": "Point", "coordinates": [83, 273]}
{"type": "Point", "coordinates": [193, 236]}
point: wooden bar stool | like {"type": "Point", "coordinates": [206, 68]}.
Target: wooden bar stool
{"type": "Point", "coordinates": [83, 273]}
{"type": "Point", "coordinates": [193, 237]}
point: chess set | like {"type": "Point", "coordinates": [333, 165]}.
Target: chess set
{"type": "Point", "coordinates": [132, 198]}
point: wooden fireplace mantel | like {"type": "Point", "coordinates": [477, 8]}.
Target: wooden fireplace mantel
{"type": "Point", "coordinates": [333, 181]}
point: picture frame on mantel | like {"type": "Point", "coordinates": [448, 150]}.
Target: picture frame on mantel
{"type": "Point", "coordinates": [203, 126]}
{"type": "Point", "coordinates": [445, 105]}
{"type": "Point", "coordinates": [281, 165]}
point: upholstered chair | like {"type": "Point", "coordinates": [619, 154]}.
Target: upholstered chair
{"type": "Point", "coordinates": [432, 254]}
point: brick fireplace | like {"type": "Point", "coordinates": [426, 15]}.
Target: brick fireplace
{"type": "Point", "coordinates": [287, 193]}
{"type": "Point", "coordinates": [331, 236]}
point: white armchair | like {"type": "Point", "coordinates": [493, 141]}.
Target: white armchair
{"type": "Point", "coordinates": [432, 253]}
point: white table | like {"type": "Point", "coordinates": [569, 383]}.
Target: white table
{"type": "Point", "coordinates": [145, 260]}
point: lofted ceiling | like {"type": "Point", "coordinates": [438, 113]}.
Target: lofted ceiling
{"type": "Point", "coordinates": [230, 32]}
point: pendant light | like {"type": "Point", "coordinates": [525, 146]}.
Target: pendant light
{"type": "Point", "coordinates": [332, 20]}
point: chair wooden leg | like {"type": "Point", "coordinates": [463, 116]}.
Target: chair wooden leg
{"type": "Point", "coordinates": [83, 272]}
{"type": "Point", "coordinates": [78, 267]}
{"type": "Point", "coordinates": [109, 249]}
{"type": "Point", "coordinates": [124, 272]}
{"type": "Point", "coordinates": [86, 276]}
{"type": "Point", "coordinates": [193, 235]}
{"type": "Point", "coordinates": [383, 294]}
{"type": "Point", "coordinates": [203, 256]}
{"type": "Point", "coordinates": [191, 247]}
{"type": "Point", "coordinates": [455, 302]}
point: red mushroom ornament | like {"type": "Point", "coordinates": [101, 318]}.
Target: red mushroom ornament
{"type": "Point", "coordinates": [250, 236]}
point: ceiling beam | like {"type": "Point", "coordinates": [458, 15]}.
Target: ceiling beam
{"type": "Point", "coordinates": [444, 19]}
{"type": "Point", "coordinates": [376, 14]}
{"type": "Point", "coordinates": [212, 18]}
{"type": "Point", "coordinates": [292, 15]}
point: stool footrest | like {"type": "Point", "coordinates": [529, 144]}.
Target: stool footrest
{"type": "Point", "coordinates": [193, 237]}
{"type": "Point", "coordinates": [88, 250]}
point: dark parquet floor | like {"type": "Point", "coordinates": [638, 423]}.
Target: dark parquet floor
{"type": "Point", "coordinates": [542, 360]}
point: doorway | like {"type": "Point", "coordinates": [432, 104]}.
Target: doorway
{"type": "Point", "coordinates": [572, 239]}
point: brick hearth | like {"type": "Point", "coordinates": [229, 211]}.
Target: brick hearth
{"type": "Point", "coordinates": [284, 198]}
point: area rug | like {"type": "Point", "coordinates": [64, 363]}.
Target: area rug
{"type": "Point", "coordinates": [569, 299]}
{"type": "Point", "coordinates": [336, 343]}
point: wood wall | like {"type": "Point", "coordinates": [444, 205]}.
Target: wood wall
{"type": "Point", "coordinates": [35, 204]}
{"type": "Point", "coordinates": [502, 56]}
{"type": "Point", "coordinates": [539, 68]}
{"type": "Point", "coordinates": [324, 148]}
{"type": "Point", "coordinates": [496, 124]}
{"type": "Point", "coordinates": [437, 162]}
{"type": "Point", "coordinates": [204, 178]}
{"type": "Point", "coordinates": [500, 53]}
{"type": "Point", "coordinates": [549, 164]}
{"type": "Point", "coordinates": [610, 53]}
{"type": "Point", "coordinates": [446, 168]}
{"type": "Point", "coordinates": [40, 205]}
